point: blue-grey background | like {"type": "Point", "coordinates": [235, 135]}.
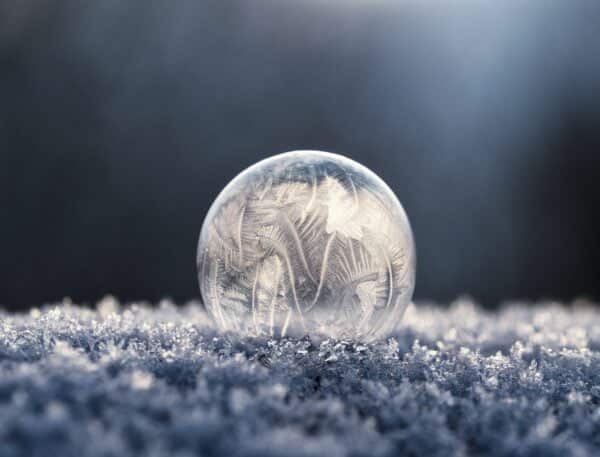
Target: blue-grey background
{"type": "Point", "coordinates": [121, 121]}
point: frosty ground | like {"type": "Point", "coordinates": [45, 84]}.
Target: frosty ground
{"type": "Point", "coordinates": [140, 380]}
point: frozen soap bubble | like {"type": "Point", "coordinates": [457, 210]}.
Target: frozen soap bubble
{"type": "Point", "coordinates": [307, 242]}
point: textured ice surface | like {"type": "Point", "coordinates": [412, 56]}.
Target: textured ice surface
{"type": "Point", "coordinates": [307, 241]}
{"type": "Point", "coordinates": [120, 381]}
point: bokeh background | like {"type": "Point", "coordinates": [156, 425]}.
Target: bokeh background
{"type": "Point", "coordinates": [120, 121]}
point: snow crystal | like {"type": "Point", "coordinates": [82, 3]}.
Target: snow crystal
{"type": "Point", "coordinates": [136, 380]}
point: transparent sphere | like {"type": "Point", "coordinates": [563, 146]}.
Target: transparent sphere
{"type": "Point", "coordinates": [307, 242]}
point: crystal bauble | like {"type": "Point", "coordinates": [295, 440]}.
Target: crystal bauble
{"type": "Point", "coordinates": [307, 242]}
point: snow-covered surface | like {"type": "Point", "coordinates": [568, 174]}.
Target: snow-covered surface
{"type": "Point", "coordinates": [136, 380]}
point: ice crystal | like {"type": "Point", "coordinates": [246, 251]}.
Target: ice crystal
{"type": "Point", "coordinates": [136, 380]}
{"type": "Point", "coordinates": [307, 242]}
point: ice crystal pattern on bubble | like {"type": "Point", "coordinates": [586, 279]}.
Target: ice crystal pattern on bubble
{"type": "Point", "coordinates": [306, 241]}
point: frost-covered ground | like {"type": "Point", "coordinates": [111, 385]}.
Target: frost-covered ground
{"type": "Point", "coordinates": [120, 381]}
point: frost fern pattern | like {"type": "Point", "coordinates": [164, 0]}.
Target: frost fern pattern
{"type": "Point", "coordinates": [307, 242]}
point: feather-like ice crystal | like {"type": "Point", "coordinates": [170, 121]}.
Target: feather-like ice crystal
{"type": "Point", "coordinates": [305, 242]}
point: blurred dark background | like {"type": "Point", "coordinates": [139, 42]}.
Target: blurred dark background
{"type": "Point", "coordinates": [120, 121]}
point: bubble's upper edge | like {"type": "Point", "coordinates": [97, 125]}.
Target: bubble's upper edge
{"type": "Point", "coordinates": [309, 153]}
